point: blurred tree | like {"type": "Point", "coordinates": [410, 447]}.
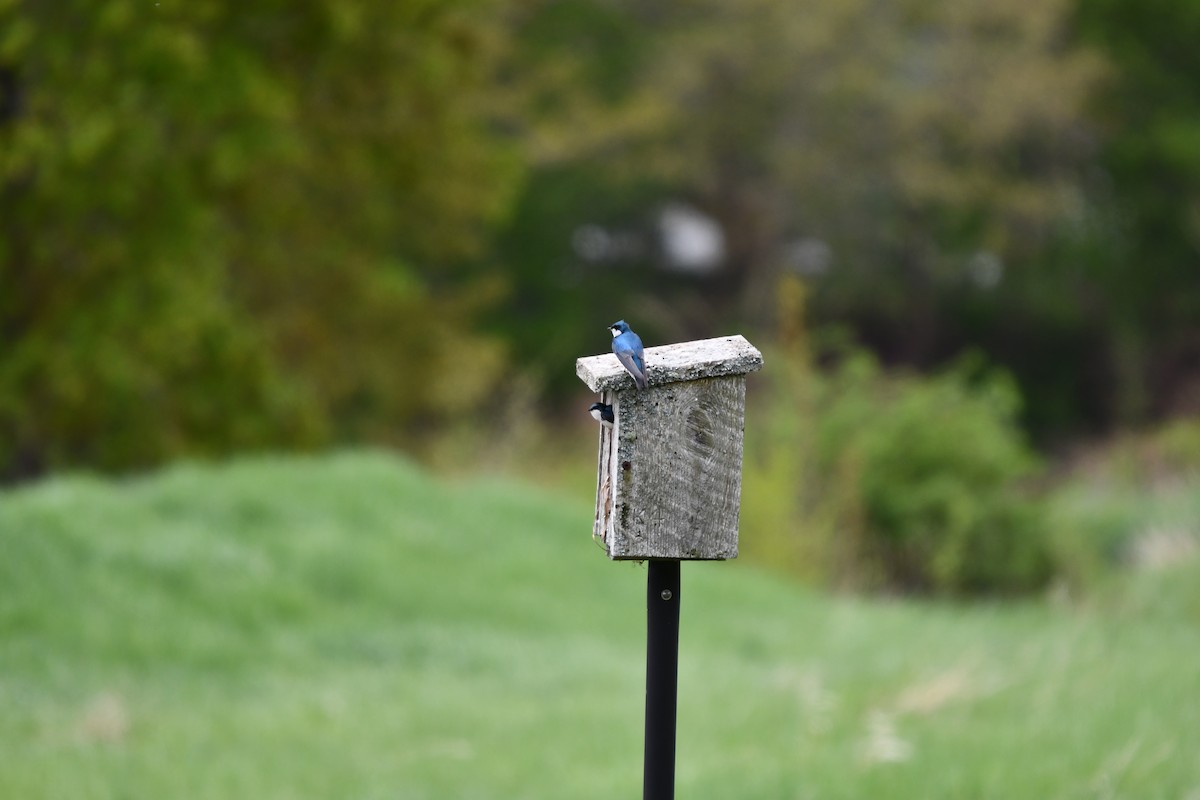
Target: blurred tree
{"type": "Point", "coordinates": [1145, 238]}
{"type": "Point", "coordinates": [898, 156]}
{"type": "Point", "coordinates": [907, 139]}
{"type": "Point", "coordinates": [226, 225]}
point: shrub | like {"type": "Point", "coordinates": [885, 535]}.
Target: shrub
{"type": "Point", "coordinates": [903, 482]}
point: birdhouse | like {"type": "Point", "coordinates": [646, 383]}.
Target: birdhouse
{"type": "Point", "coordinates": [669, 481]}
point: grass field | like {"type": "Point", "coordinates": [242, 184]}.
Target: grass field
{"type": "Point", "coordinates": [350, 627]}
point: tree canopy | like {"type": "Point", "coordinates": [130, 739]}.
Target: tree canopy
{"type": "Point", "coordinates": [228, 224]}
{"type": "Point", "coordinates": [225, 225]}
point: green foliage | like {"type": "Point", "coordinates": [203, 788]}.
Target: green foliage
{"type": "Point", "coordinates": [932, 130]}
{"type": "Point", "coordinates": [227, 226]}
{"type": "Point", "coordinates": [918, 484]}
{"type": "Point", "coordinates": [938, 463]}
{"type": "Point", "coordinates": [352, 627]}
{"type": "Point", "coordinates": [1117, 286]}
{"type": "Point", "coordinates": [231, 225]}
{"type": "Point", "coordinates": [1151, 108]}
{"type": "Point", "coordinates": [937, 153]}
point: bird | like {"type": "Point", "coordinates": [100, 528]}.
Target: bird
{"type": "Point", "coordinates": [627, 346]}
{"type": "Point", "coordinates": [602, 413]}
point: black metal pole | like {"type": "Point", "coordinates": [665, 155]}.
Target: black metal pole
{"type": "Point", "coordinates": [662, 679]}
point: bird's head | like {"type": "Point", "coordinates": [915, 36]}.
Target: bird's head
{"type": "Point", "coordinates": [596, 407]}
{"type": "Point", "coordinates": [619, 327]}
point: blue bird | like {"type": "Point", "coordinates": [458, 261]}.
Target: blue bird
{"type": "Point", "coordinates": [627, 346]}
{"type": "Point", "coordinates": [602, 413]}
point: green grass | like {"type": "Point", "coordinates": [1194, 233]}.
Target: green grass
{"type": "Point", "coordinates": [350, 627]}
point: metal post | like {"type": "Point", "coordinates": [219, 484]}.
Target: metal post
{"type": "Point", "coordinates": [662, 679]}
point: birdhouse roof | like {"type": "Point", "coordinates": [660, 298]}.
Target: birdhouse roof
{"type": "Point", "coordinates": [673, 363]}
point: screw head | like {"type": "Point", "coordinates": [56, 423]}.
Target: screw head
{"type": "Point", "coordinates": [666, 594]}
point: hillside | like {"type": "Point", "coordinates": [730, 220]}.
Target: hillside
{"type": "Point", "coordinates": [351, 627]}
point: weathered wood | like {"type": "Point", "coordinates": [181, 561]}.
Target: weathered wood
{"type": "Point", "coordinates": [672, 363]}
{"type": "Point", "coordinates": [668, 484]}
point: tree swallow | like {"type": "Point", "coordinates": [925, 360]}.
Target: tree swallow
{"type": "Point", "coordinates": [602, 414]}
{"type": "Point", "coordinates": [627, 346]}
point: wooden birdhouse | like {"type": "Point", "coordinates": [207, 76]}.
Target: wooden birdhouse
{"type": "Point", "coordinates": [669, 481]}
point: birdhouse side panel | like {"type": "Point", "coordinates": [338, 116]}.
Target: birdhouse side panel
{"type": "Point", "coordinates": [677, 471]}
{"type": "Point", "coordinates": [606, 469]}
